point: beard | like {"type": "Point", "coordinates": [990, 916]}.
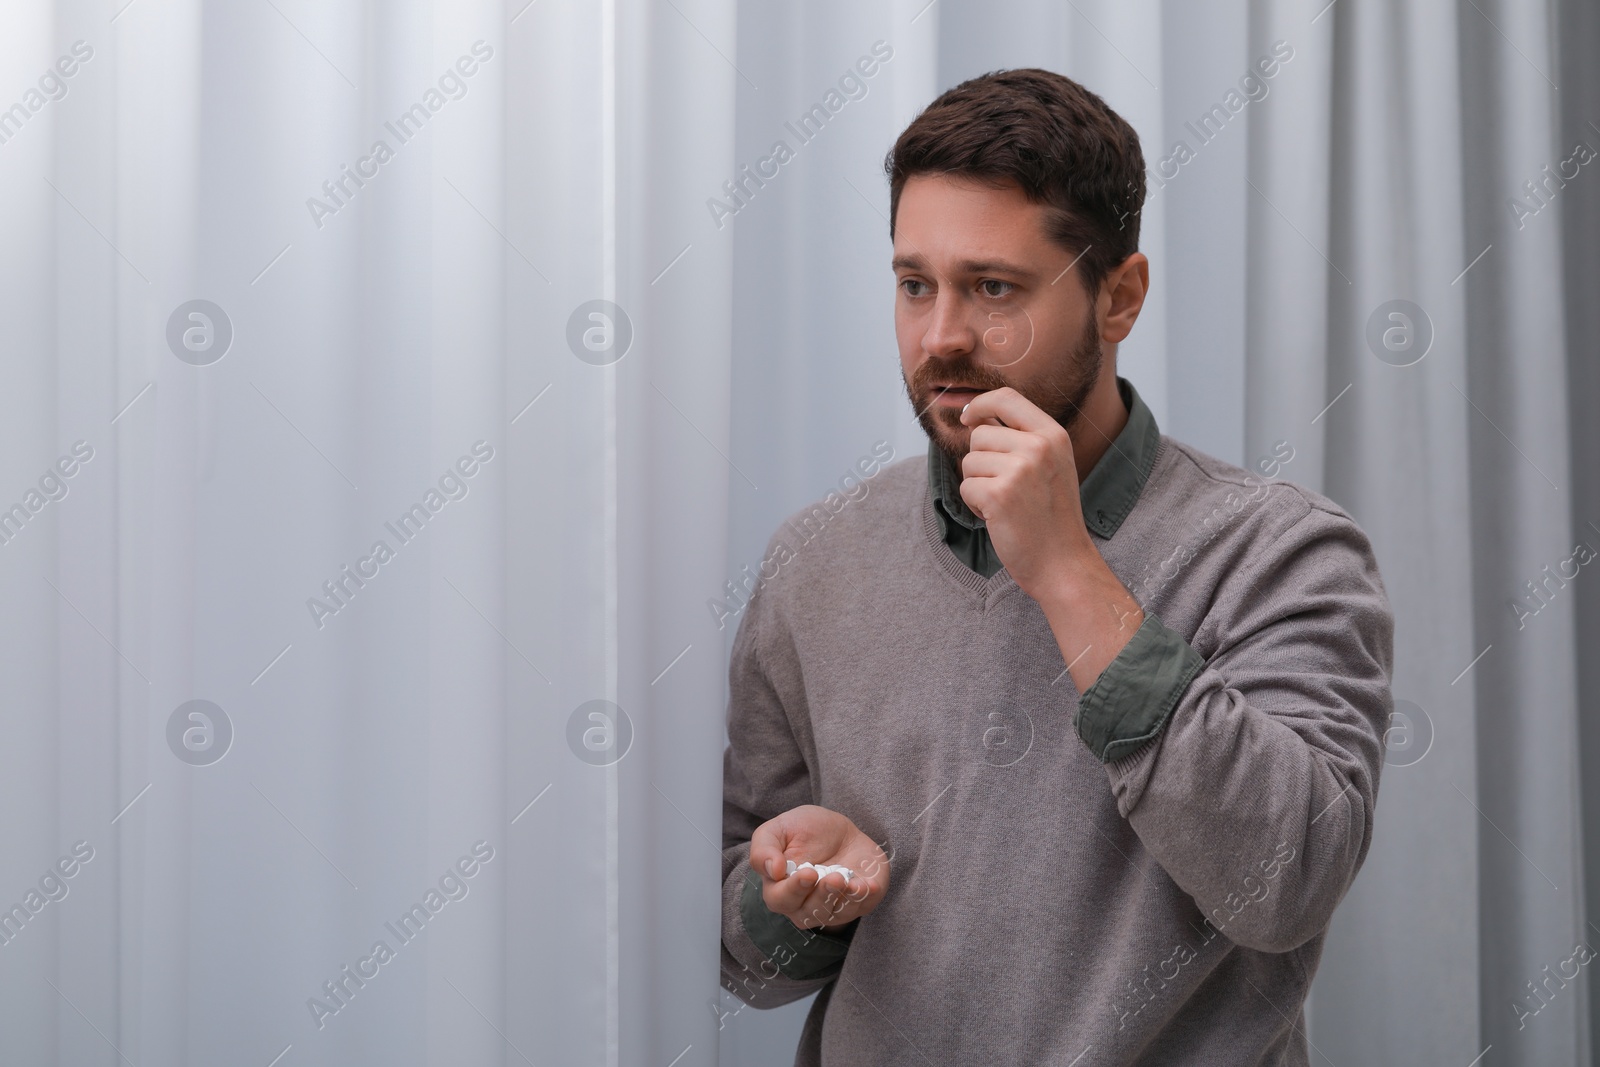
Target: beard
{"type": "Point", "coordinates": [1061, 394]}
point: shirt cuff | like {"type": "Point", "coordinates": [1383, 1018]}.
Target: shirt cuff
{"type": "Point", "coordinates": [798, 954]}
{"type": "Point", "coordinates": [1130, 702]}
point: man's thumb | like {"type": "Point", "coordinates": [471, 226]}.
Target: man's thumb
{"type": "Point", "coordinates": [776, 841]}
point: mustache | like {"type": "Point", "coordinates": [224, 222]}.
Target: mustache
{"type": "Point", "coordinates": [919, 387]}
{"type": "Point", "coordinates": [927, 374]}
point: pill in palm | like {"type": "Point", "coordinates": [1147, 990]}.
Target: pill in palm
{"type": "Point", "coordinates": [823, 869]}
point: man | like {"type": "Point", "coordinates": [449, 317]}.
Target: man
{"type": "Point", "coordinates": [1109, 709]}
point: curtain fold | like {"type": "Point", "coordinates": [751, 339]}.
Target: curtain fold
{"type": "Point", "coordinates": [1390, 447]}
{"type": "Point", "coordinates": [400, 216]}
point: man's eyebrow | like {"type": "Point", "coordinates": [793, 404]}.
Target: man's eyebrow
{"type": "Point", "coordinates": [991, 266]}
{"type": "Point", "coordinates": [965, 266]}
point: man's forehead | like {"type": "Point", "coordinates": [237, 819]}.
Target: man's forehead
{"type": "Point", "coordinates": [968, 226]}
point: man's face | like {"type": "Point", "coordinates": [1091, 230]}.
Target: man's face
{"type": "Point", "coordinates": [984, 299]}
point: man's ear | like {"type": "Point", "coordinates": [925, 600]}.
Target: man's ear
{"type": "Point", "coordinates": [1122, 297]}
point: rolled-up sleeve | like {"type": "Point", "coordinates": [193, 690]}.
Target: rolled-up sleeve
{"type": "Point", "coordinates": [1129, 703]}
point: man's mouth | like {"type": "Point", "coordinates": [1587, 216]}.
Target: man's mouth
{"type": "Point", "coordinates": [954, 395]}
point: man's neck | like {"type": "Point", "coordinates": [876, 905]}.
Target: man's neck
{"type": "Point", "coordinates": [1099, 422]}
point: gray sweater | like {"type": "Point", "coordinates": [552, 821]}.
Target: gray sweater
{"type": "Point", "coordinates": [1141, 874]}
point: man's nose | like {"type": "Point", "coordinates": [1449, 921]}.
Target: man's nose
{"type": "Point", "coordinates": [950, 331]}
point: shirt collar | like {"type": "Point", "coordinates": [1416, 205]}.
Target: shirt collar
{"type": "Point", "coordinates": [1107, 494]}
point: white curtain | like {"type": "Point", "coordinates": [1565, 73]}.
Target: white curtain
{"type": "Point", "coordinates": [531, 281]}
{"type": "Point", "coordinates": [411, 318]}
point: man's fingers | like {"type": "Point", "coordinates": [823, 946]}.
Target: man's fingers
{"type": "Point", "coordinates": [767, 845]}
{"type": "Point", "coordinates": [768, 863]}
{"type": "Point", "coordinates": [788, 893]}
{"type": "Point", "coordinates": [841, 893]}
{"type": "Point", "coordinates": [1010, 407]}
{"type": "Point", "coordinates": [761, 860]}
{"type": "Point", "coordinates": [825, 903]}
{"type": "Point", "coordinates": [856, 891]}
{"type": "Point", "coordinates": [987, 438]}
{"type": "Point", "coordinates": [810, 902]}
{"type": "Point", "coordinates": [985, 464]}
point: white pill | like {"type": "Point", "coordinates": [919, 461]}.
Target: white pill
{"type": "Point", "coordinates": [822, 869]}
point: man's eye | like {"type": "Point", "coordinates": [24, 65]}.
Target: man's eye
{"type": "Point", "coordinates": [996, 281]}
{"type": "Point", "coordinates": [910, 282]}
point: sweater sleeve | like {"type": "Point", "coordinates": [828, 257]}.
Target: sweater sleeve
{"type": "Point", "coordinates": [767, 961]}
{"type": "Point", "coordinates": [1255, 793]}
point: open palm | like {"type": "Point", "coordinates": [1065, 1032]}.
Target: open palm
{"type": "Point", "coordinates": [814, 834]}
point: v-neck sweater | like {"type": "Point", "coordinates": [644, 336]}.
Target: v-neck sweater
{"type": "Point", "coordinates": [1140, 874]}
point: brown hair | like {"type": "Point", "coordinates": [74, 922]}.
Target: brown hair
{"type": "Point", "coordinates": [1051, 136]}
